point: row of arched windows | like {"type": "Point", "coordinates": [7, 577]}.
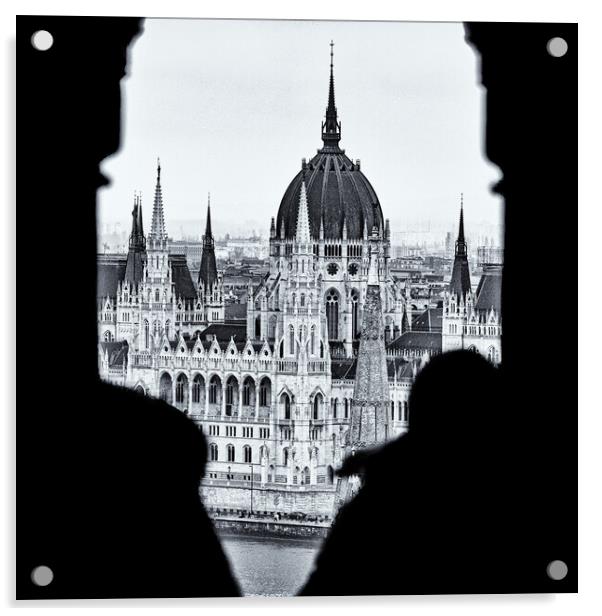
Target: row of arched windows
{"type": "Point", "coordinates": [247, 453]}
{"type": "Point", "coordinates": [402, 410]}
{"type": "Point", "coordinates": [214, 392]}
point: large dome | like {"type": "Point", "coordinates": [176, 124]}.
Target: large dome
{"type": "Point", "coordinates": [337, 190]}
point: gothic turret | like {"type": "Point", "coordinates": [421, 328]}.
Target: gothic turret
{"type": "Point", "coordinates": [303, 235]}
{"type": "Point", "coordinates": [137, 246]}
{"type": "Point", "coordinates": [460, 280]}
{"type": "Point", "coordinates": [370, 404]}
{"type": "Point", "coordinates": [158, 231]}
{"type": "Point", "coordinates": [208, 269]}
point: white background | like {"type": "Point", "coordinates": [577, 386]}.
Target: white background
{"type": "Point", "coordinates": [562, 299]}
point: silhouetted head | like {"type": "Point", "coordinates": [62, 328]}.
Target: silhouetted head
{"type": "Point", "coordinates": [454, 392]}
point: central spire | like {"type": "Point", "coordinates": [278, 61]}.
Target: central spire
{"type": "Point", "coordinates": [331, 127]}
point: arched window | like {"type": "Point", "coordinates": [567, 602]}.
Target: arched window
{"type": "Point", "coordinates": [230, 451]}
{"type": "Point", "coordinates": [312, 343]}
{"type": "Point", "coordinates": [197, 389]}
{"type": "Point", "coordinates": [291, 339]}
{"type": "Point", "coordinates": [247, 453]}
{"type": "Point", "coordinates": [472, 348]}
{"type": "Point", "coordinates": [258, 327]}
{"type": "Point", "coordinates": [493, 355]}
{"type": "Point", "coordinates": [248, 388]}
{"type": "Point", "coordinates": [108, 336]}
{"type": "Point", "coordinates": [165, 387]}
{"type": "Point", "coordinates": [214, 385]}
{"type": "Point", "coordinates": [346, 408]}
{"type": "Point", "coordinates": [272, 327]}
{"type": "Point", "coordinates": [335, 404]}
{"type": "Point", "coordinates": [146, 334]}
{"type": "Point", "coordinates": [329, 474]}
{"type": "Point", "coordinates": [181, 388]}
{"type": "Point", "coordinates": [317, 407]}
{"type": "Point", "coordinates": [213, 451]}
{"type": "Point", "coordinates": [168, 328]}
{"type": "Point", "coordinates": [156, 295]}
{"type": "Point", "coordinates": [264, 392]}
{"type": "Point", "coordinates": [392, 410]}
{"type": "Point", "coordinates": [286, 405]}
{"type": "Point", "coordinates": [355, 309]}
{"type": "Point", "coordinates": [231, 394]}
{"type": "Point", "coordinates": [285, 456]}
{"type": "Point", "coordinates": [332, 314]}
{"type": "Point", "coordinates": [302, 300]}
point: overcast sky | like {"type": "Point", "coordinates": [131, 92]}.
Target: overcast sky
{"type": "Point", "coordinates": [232, 106]}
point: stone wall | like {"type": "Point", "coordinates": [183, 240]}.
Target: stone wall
{"type": "Point", "coordinates": [314, 501]}
{"type": "Point", "coordinates": [261, 528]}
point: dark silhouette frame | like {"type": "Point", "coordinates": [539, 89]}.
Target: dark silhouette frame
{"type": "Point", "coordinates": [77, 458]}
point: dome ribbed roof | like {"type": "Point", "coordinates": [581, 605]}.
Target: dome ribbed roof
{"type": "Point", "coordinates": [337, 191]}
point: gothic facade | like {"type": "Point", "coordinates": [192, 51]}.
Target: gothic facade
{"type": "Point", "coordinates": [321, 365]}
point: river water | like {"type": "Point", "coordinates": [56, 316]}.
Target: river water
{"type": "Point", "coordinates": [271, 566]}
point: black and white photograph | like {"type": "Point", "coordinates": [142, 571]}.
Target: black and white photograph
{"type": "Point", "coordinates": [308, 310]}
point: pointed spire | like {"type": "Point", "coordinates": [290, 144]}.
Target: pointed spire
{"type": "Point", "coordinates": [208, 233]}
{"type": "Point", "coordinates": [322, 224]}
{"type": "Point", "coordinates": [140, 225]}
{"type": "Point", "coordinates": [303, 235]}
{"type": "Point", "coordinates": [461, 241]}
{"type": "Point", "coordinates": [331, 127]}
{"type": "Point", "coordinates": [137, 240]}
{"type": "Point", "coordinates": [460, 279]}
{"type": "Point", "coordinates": [369, 425]}
{"type": "Point", "coordinates": [208, 269]}
{"type": "Point", "coordinates": [405, 322]}
{"type": "Point", "coordinates": [134, 266]}
{"type": "Point", "coordinates": [344, 233]}
{"type": "Point", "coordinates": [158, 231]}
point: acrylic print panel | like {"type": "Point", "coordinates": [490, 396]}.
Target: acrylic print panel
{"type": "Point", "coordinates": [285, 364]}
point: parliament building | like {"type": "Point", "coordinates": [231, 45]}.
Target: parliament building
{"type": "Point", "coordinates": [329, 351]}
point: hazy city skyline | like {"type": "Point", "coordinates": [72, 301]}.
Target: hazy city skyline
{"type": "Point", "coordinates": [231, 107]}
